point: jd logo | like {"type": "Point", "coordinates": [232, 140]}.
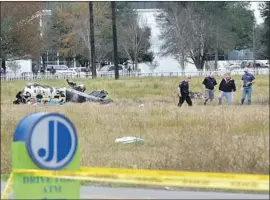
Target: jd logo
{"type": "Point", "coordinates": [53, 142]}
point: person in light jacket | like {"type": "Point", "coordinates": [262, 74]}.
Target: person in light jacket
{"type": "Point", "coordinates": [227, 88]}
{"type": "Point", "coordinates": [248, 79]}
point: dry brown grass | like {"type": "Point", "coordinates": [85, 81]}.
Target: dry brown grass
{"type": "Point", "coordinates": [202, 138]}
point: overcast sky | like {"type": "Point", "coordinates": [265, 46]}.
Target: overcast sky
{"type": "Point", "coordinates": [255, 7]}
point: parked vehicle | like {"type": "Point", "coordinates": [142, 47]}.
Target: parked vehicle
{"type": "Point", "coordinates": [258, 64]}
{"type": "Point", "coordinates": [108, 70]}
{"type": "Point", "coordinates": [61, 70]}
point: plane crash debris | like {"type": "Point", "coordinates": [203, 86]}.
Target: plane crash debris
{"type": "Point", "coordinates": [196, 95]}
{"type": "Point", "coordinates": [80, 97]}
{"type": "Point", "coordinates": [128, 140]}
{"type": "Point", "coordinates": [74, 86]}
{"type": "Point", "coordinates": [35, 94]}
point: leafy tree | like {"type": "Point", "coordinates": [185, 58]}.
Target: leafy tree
{"type": "Point", "coordinates": [265, 13]}
{"type": "Point", "coordinates": [261, 43]}
{"type": "Point", "coordinates": [20, 30]}
{"type": "Point", "coordinates": [69, 32]}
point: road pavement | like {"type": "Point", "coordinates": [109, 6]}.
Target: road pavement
{"type": "Point", "coordinates": [90, 192]}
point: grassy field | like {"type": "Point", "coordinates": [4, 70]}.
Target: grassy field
{"type": "Point", "coordinates": [200, 138]}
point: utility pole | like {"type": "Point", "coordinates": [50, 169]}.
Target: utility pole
{"type": "Point", "coordinates": [115, 51]}
{"type": "Point", "coordinates": [1, 31]}
{"type": "Point", "coordinates": [3, 62]}
{"type": "Point", "coordinates": [254, 44]}
{"type": "Point", "coordinates": [92, 40]}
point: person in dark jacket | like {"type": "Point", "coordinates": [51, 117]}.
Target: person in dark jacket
{"type": "Point", "coordinates": [183, 93]}
{"type": "Point", "coordinates": [209, 83]}
{"type": "Point", "coordinates": [227, 88]}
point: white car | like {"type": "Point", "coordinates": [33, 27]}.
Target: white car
{"type": "Point", "coordinates": [81, 71]}
{"type": "Point", "coordinates": [61, 70]}
{"type": "Point", "coordinates": [108, 70]}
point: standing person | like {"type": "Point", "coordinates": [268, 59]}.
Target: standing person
{"type": "Point", "coordinates": [209, 83]}
{"type": "Point", "coordinates": [129, 70]}
{"type": "Point", "coordinates": [53, 71]}
{"type": "Point", "coordinates": [248, 79]}
{"type": "Point", "coordinates": [227, 88]}
{"type": "Point", "coordinates": [183, 92]}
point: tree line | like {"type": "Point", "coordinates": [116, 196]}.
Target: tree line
{"type": "Point", "coordinates": [190, 31]}
{"type": "Point", "coordinates": [196, 30]}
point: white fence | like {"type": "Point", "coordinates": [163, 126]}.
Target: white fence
{"type": "Point", "coordinates": [130, 75]}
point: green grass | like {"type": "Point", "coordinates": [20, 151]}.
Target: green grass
{"type": "Point", "coordinates": [4, 177]}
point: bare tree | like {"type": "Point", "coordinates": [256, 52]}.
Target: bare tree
{"type": "Point", "coordinates": [14, 67]}
{"type": "Point", "coordinates": [180, 37]}
{"type": "Point", "coordinates": [193, 29]}
{"type": "Point", "coordinates": [134, 40]}
{"type": "Point", "coordinates": [153, 65]}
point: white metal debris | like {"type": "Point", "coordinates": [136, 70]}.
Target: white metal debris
{"type": "Point", "coordinates": [128, 140]}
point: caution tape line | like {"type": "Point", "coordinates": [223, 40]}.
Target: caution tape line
{"type": "Point", "coordinates": [261, 184]}
{"type": "Point", "coordinates": [153, 173]}
{"type": "Point", "coordinates": [8, 187]}
{"type": "Point", "coordinates": [233, 185]}
{"type": "Point", "coordinates": [143, 172]}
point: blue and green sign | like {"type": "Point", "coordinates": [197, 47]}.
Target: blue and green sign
{"type": "Point", "coordinates": [46, 141]}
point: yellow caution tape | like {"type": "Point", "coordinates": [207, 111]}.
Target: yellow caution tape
{"type": "Point", "coordinates": [8, 187]}
{"type": "Point", "coordinates": [154, 177]}
{"type": "Point", "coordinates": [161, 177]}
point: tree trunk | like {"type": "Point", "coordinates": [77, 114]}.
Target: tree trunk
{"type": "Point", "coordinates": [115, 51]}
{"type": "Point", "coordinates": [216, 58]}
{"type": "Point", "coordinates": [136, 52]}
{"type": "Point", "coordinates": [199, 61]}
{"type": "Point", "coordinates": [43, 68]}
{"type": "Point", "coordinates": [202, 61]}
{"type": "Point", "coordinates": [182, 61]}
{"type": "Point", "coordinates": [92, 40]}
{"type": "Point", "coordinates": [4, 64]}
{"type": "Point", "coordinates": [216, 50]}
{"type": "Point", "coordinates": [136, 63]}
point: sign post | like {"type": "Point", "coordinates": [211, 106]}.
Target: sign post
{"type": "Point", "coordinates": [45, 141]}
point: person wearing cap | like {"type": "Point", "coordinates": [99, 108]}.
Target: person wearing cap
{"type": "Point", "coordinates": [209, 82]}
{"type": "Point", "coordinates": [227, 88]}
{"type": "Point", "coordinates": [248, 79]}
{"type": "Point", "coordinates": [183, 92]}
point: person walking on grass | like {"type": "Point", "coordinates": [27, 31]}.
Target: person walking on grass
{"type": "Point", "coordinates": [248, 79]}
{"type": "Point", "coordinates": [209, 82]}
{"type": "Point", "coordinates": [183, 92]}
{"type": "Point", "coordinates": [227, 88]}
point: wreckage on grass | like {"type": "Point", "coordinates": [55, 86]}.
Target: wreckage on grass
{"type": "Point", "coordinates": [196, 95]}
{"type": "Point", "coordinates": [37, 93]}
